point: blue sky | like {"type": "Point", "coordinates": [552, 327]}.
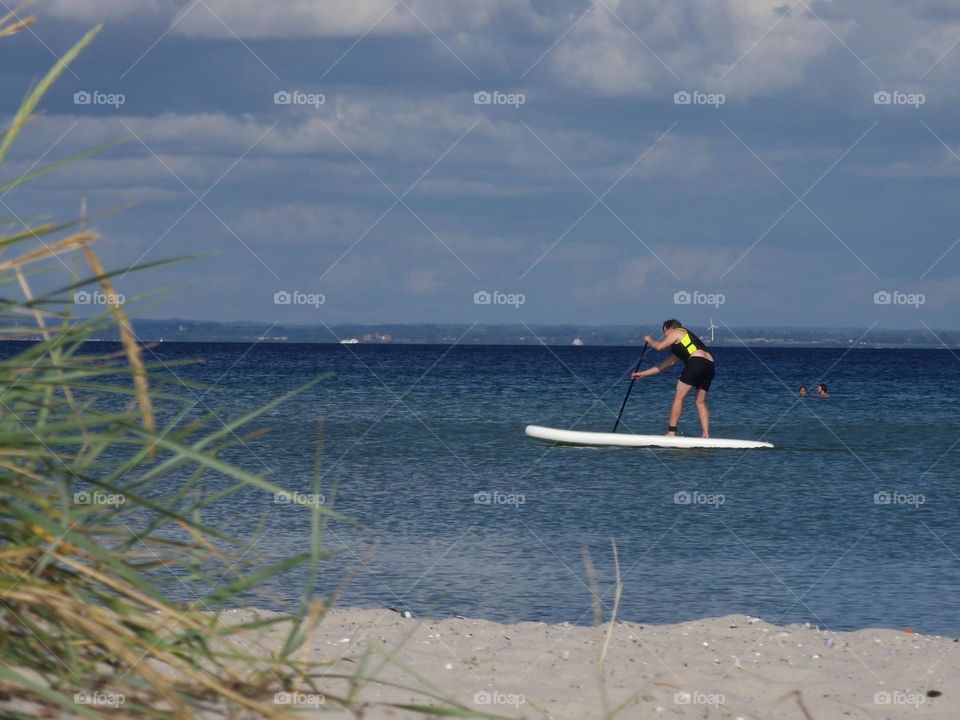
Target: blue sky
{"type": "Point", "coordinates": [786, 192]}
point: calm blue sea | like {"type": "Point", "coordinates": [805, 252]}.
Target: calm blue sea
{"type": "Point", "coordinates": [850, 522]}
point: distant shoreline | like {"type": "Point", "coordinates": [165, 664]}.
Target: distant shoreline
{"type": "Point", "coordinates": [749, 344]}
{"type": "Point", "coordinates": [528, 334]}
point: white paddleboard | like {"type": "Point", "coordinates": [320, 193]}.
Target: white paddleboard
{"type": "Point", "coordinates": [576, 437]}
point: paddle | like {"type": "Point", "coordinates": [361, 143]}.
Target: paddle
{"type": "Point", "coordinates": [632, 381]}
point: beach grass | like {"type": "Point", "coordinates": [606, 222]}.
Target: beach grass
{"type": "Point", "coordinates": [106, 470]}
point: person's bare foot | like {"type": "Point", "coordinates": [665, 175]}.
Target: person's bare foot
{"type": "Point", "coordinates": [671, 434]}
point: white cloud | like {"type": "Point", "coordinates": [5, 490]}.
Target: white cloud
{"type": "Point", "coordinates": [398, 137]}
{"type": "Point", "coordinates": [937, 164]}
{"type": "Point", "coordinates": [304, 225]}
{"type": "Point", "coordinates": [693, 261]}
{"type": "Point", "coordinates": [941, 294]}
{"type": "Point", "coordinates": [631, 277]}
{"type": "Point", "coordinates": [456, 187]}
{"type": "Point", "coordinates": [645, 47]}
{"type": "Point", "coordinates": [425, 281]}
{"type": "Point", "coordinates": [255, 19]}
{"type": "Point", "coordinates": [93, 11]}
{"type": "Point", "coordinates": [334, 18]}
{"type": "Point", "coordinates": [819, 50]}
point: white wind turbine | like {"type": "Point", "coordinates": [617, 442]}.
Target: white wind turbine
{"type": "Point", "coordinates": [712, 328]}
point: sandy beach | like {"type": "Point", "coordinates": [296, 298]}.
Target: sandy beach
{"type": "Point", "coordinates": [728, 667]}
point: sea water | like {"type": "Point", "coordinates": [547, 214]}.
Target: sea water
{"type": "Point", "coordinates": [850, 522]}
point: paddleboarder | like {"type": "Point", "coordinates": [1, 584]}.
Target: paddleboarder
{"type": "Point", "coordinates": [697, 372]}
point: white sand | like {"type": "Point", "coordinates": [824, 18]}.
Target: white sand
{"type": "Point", "coordinates": [729, 667]}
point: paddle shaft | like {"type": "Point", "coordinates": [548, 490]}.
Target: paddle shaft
{"type": "Point", "coordinates": [629, 389]}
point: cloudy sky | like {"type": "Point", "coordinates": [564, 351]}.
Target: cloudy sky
{"type": "Point", "coordinates": [607, 162]}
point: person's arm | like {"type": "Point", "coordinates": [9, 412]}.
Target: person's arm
{"type": "Point", "coordinates": [656, 369]}
{"type": "Point", "coordinates": [669, 338]}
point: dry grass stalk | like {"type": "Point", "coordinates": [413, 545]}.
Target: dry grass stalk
{"type": "Point", "coordinates": [130, 344]}
{"type": "Point", "coordinates": [12, 23]}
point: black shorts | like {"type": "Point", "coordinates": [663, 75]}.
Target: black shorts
{"type": "Point", "coordinates": [698, 372]}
